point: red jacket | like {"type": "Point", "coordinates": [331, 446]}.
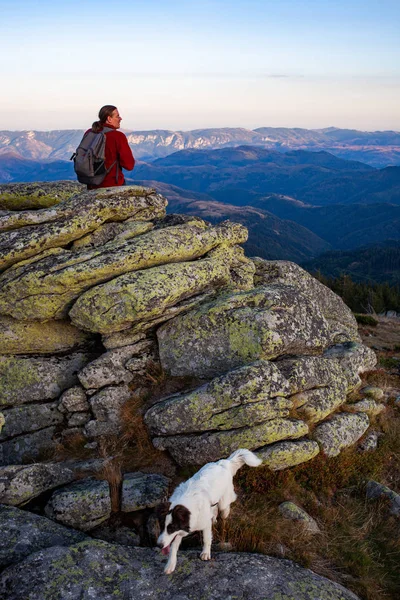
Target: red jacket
{"type": "Point", "coordinates": [117, 149]}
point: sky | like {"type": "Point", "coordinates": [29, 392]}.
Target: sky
{"type": "Point", "coordinates": [182, 65]}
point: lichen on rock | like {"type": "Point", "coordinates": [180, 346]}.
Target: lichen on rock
{"type": "Point", "coordinates": [240, 328]}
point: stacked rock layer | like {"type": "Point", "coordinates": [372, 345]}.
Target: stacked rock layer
{"type": "Point", "coordinates": [103, 286]}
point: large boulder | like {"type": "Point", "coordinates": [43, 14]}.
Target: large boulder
{"type": "Point", "coordinates": [24, 533]}
{"type": "Point", "coordinates": [239, 328]}
{"type": "Point", "coordinates": [141, 295]}
{"type": "Point", "coordinates": [29, 447]}
{"type": "Point", "coordinates": [82, 505]}
{"type": "Point", "coordinates": [30, 232]}
{"type": "Point", "coordinates": [341, 321]}
{"type": "Point", "coordinates": [113, 231]}
{"type": "Point", "coordinates": [53, 337]}
{"type": "Point", "coordinates": [29, 417]}
{"type": "Point", "coordinates": [36, 194]}
{"type": "Point", "coordinates": [354, 358]}
{"type": "Point", "coordinates": [143, 490]}
{"type": "Point", "coordinates": [95, 569]}
{"type": "Point", "coordinates": [283, 455]}
{"type": "Point", "coordinates": [30, 379]}
{"type": "Point", "coordinates": [246, 396]}
{"type": "Point", "coordinates": [21, 483]}
{"type": "Point", "coordinates": [340, 431]}
{"type": "Point", "coordinates": [211, 446]}
{"type": "Point", "coordinates": [44, 287]}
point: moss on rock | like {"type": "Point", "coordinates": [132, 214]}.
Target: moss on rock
{"type": "Point", "coordinates": [283, 455]}
{"type": "Point", "coordinates": [200, 449]}
{"type": "Point", "coordinates": [44, 289]}
{"type": "Point", "coordinates": [238, 329]}
{"type": "Point", "coordinates": [243, 397]}
{"type": "Point", "coordinates": [51, 337]}
{"type": "Point", "coordinates": [71, 219]}
{"type": "Point", "coordinates": [115, 305]}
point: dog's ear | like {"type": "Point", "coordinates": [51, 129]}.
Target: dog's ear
{"type": "Point", "coordinates": [181, 515]}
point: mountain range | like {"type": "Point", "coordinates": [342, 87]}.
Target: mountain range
{"type": "Point", "coordinates": [378, 148]}
{"type": "Point", "coordinates": [296, 204]}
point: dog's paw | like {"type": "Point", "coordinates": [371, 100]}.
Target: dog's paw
{"type": "Point", "coordinates": [169, 569]}
{"type": "Point", "coordinates": [205, 555]}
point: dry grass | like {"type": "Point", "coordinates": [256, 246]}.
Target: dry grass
{"type": "Point", "coordinates": [359, 543]}
{"type": "Point", "coordinates": [72, 448]}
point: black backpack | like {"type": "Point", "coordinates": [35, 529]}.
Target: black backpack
{"type": "Point", "coordinates": [89, 158]}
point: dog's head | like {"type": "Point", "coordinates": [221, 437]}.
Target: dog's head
{"type": "Point", "coordinates": [174, 522]}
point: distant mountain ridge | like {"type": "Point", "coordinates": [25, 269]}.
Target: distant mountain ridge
{"type": "Point", "coordinates": [378, 148]}
{"type": "Point", "coordinates": [316, 178]}
{"type": "Point", "coordinates": [269, 236]}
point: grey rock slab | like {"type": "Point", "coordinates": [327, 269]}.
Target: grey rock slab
{"type": "Point", "coordinates": [29, 417]}
{"type": "Point", "coordinates": [208, 447]}
{"type": "Point", "coordinates": [23, 533]}
{"type": "Point", "coordinates": [240, 328]}
{"type": "Point", "coordinates": [367, 405]}
{"type": "Point", "coordinates": [287, 454]}
{"type": "Point", "coordinates": [33, 195]}
{"type": "Point", "coordinates": [72, 218]}
{"type": "Point", "coordinates": [340, 431]}
{"type": "Point", "coordinates": [342, 323]}
{"type": "Point", "coordinates": [20, 483]}
{"type": "Point", "coordinates": [321, 402]}
{"type": "Point", "coordinates": [146, 294]}
{"type": "Point", "coordinates": [291, 511]}
{"type": "Point", "coordinates": [113, 231]}
{"type": "Point", "coordinates": [106, 406]}
{"type": "Point", "coordinates": [74, 400]}
{"type": "Point", "coordinates": [31, 379]}
{"type": "Point", "coordinates": [143, 490]}
{"type": "Point", "coordinates": [82, 505]}
{"type": "Point", "coordinates": [375, 491]}
{"type": "Point", "coordinates": [94, 569]}
{"type": "Point", "coordinates": [309, 372]}
{"type": "Point", "coordinates": [245, 396]}
{"type": "Point", "coordinates": [27, 448]}
{"type": "Point", "coordinates": [45, 287]}
{"type": "Point", "coordinates": [108, 369]}
{"type": "Point", "coordinates": [52, 337]}
{"type": "Point", "coordinates": [354, 358]}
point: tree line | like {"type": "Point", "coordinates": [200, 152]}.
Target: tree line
{"type": "Point", "coordinates": [363, 297]}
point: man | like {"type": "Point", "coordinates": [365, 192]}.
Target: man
{"type": "Point", "coordinates": [118, 154]}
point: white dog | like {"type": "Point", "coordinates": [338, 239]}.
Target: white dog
{"type": "Point", "coordinates": [194, 505]}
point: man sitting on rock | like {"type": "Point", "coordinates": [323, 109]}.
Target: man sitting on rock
{"type": "Point", "coordinates": [118, 154]}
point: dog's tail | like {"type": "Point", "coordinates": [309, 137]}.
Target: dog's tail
{"type": "Point", "coordinates": [243, 457]}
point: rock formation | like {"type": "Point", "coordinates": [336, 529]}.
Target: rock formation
{"type": "Point", "coordinates": [101, 289]}
{"type": "Point", "coordinates": [102, 284]}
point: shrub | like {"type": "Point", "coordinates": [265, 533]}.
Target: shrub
{"type": "Point", "coordinates": [366, 320]}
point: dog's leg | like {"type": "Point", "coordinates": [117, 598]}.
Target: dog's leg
{"type": "Point", "coordinates": [171, 564]}
{"type": "Point", "coordinates": [214, 514]}
{"type": "Point", "coordinates": [207, 539]}
{"type": "Point", "coordinates": [224, 505]}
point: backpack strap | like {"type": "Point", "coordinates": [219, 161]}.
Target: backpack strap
{"type": "Point", "coordinates": [106, 130]}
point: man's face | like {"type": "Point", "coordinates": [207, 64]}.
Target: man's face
{"type": "Point", "coordinates": [114, 119]}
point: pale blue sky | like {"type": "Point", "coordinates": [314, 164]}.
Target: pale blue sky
{"type": "Point", "coordinates": [185, 65]}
